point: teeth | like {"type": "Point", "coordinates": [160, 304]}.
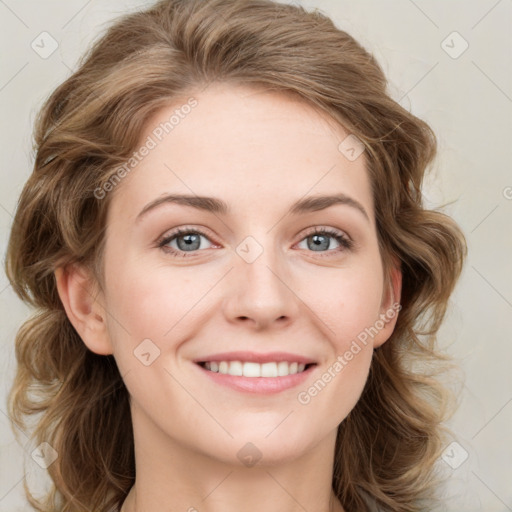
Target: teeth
{"type": "Point", "coordinates": [283, 369]}
{"type": "Point", "coordinates": [236, 368]}
{"type": "Point", "coordinates": [250, 369]}
{"type": "Point", "coordinates": [269, 370]}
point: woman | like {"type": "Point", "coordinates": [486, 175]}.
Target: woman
{"type": "Point", "coordinates": [237, 286]}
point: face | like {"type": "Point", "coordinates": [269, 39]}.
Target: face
{"type": "Point", "coordinates": [263, 279]}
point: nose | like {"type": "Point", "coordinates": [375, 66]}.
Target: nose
{"type": "Point", "coordinates": [261, 293]}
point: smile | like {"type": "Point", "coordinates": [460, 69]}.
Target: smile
{"type": "Point", "coordinates": [256, 373]}
{"type": "Point", "coordinates": [253, 369]}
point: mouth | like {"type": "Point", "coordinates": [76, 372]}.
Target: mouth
{"type": "Point", "coordinates": [251, 369]}
{"type": "Point", "coordinates": [256, 373]}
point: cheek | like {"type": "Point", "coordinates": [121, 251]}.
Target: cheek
{"type": "Point", "coordinates": [157, 303]}
{"type": "Point", "coordinates": [347, 300]}
{"type": "Point", "coordinates": [335, 391]}
{"type": "Point", "coordinates": [145, 298]}
{"type": "Point", "coordinates": [139, 304]}
{"type": "Point", "coordinates": [353, 308]}
{"type": "Point", "coordinates": [149, 318]}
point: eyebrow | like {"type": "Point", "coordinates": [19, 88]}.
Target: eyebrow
{"type": "Point", "coordinates": [218, 206]}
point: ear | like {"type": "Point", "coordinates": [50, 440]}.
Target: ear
{"type": "Point", "coordinates": [390, 306]}
{"type": "Point", "coordinates": [79, 293]}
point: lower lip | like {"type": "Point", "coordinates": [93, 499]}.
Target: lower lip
{"type": "Point", "coordinates": [261, 385]}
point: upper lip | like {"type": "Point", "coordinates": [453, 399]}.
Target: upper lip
{"type": "Point", "coordinates": [255, 357]}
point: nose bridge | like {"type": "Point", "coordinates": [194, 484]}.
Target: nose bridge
{"type": "Point", "coordinates": [261, 289]}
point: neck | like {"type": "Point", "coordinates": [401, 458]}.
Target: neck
{"type": "Point", "coordinates": [235, 492]}
{"type": "Point", "coordinates": [172, 477]}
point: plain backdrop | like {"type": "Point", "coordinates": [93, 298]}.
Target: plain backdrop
{"type": "Point", "coordinates": [449, 62]}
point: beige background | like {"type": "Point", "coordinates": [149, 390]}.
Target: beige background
{"type": "Point", "coordinates": [466, 96]}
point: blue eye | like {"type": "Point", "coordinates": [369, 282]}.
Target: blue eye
{"type": "Point", "coordinates": [320, 239]}
{"type": "Point", "coordinates": [190, 241]}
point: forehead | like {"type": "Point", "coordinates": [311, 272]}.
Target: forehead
{"type": "Point", "coordinates": [246, 145]}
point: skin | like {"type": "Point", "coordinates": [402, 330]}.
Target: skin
{"type": "Point", "coordinates": [260, 152]}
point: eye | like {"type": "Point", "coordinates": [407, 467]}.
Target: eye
{"type": "Point", "coordinates": [318, 240]}
{"type": "Point", "coordinates": [183, 241]}
{"type": "Point", "coordinates": [187, 240]}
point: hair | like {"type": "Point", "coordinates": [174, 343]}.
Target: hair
{"type": "Point", "coordinates": [387, 446]}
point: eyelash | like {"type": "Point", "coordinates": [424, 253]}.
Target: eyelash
{"type": "Point", "coordinates": [343, 240]}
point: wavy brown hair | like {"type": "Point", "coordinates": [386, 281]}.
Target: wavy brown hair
{"type": "Point", "coordinates": [388, 445]}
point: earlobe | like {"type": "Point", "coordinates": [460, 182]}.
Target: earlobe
{"type": "Point", "coordinates": [80, 298]}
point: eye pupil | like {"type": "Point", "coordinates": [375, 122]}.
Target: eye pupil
{"type": "Point", "coordinates": [317, 241]}
{"type": "Point", "coordinates": [189, 241]}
